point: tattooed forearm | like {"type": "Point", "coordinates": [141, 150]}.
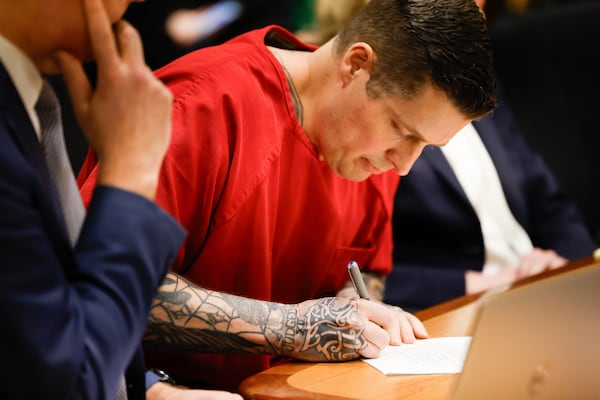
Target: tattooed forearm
{"type": "Point", "coordinates": [163, 336]}
{"type": "Point", "coordinates": [375, 285]}
{"type": "Point", "coordinates": [191, 319]}
{"type": "Point", "coordinates": [291, 325]}
{"type": "Point", "coordinates": [185, 317]}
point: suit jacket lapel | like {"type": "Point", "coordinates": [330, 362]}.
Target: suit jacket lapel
{"type": "Point", "coordinates": [16, 121]}
{"type": "Point", "coordinates": [506, 169]}
{"type": "Point", "coordinates": [434, 157]}
{"type": "Point", "coordinates": [509, 177]}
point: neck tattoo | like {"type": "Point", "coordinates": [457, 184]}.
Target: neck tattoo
{"type": "Point", "coordinates": [297, 103]}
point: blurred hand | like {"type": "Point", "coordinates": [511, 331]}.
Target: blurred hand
{"type": "Point", "coordinates": [164, 391]}
{"type": "Point", "coordinates": [127, 117]}
{"type": "Point", "coordinates": [476, 281]}
{"type": "Point", "coordinates": [186, 27]}
{"type": "Point", "coordinates": [537, 261]}
{"type": "Point", "coordinates": [183, 27]}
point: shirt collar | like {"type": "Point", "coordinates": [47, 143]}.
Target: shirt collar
{"type": "Point", "coordinates": [25, 76]}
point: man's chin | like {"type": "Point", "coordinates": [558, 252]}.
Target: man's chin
{"type": "Point", "coordinates": [354, 176]}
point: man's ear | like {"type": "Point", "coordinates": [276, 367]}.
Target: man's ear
{"type": "Point", "coordinates": [358, 59]}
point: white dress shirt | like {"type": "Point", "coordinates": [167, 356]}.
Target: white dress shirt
{"type": "Point", "coordinates": [25, 76]}
{"type": "Point", "coordinates": [504, 238]}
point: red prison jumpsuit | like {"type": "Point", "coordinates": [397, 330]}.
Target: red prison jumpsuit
{"type": "Point", "coordinates": [265, 218]}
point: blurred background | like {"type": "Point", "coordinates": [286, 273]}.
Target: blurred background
{"type": "Point", "coordinates": [544, 50]}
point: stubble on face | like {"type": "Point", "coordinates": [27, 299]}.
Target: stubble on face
{"type": "Point", "coordinates": [355, 139]}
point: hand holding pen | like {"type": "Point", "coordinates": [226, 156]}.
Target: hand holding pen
{"type": "Point", "coordinates": [411, 327]}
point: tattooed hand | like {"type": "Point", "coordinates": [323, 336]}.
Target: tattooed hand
{"type": "Point", "coordinates": [328, 329]}
{"type": "Point", "coordinates": [341, 329]}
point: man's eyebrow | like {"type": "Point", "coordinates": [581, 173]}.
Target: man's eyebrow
{"type": "Point", "coordinates": [415, 133]}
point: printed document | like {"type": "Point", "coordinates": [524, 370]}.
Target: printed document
{"type": "Point", "coordinates": [443, 355]}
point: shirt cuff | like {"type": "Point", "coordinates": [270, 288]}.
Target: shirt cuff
{"type": "Point", "coordinates": [156, 375]}
{"type": "Point", "coordinates": [151, 379]}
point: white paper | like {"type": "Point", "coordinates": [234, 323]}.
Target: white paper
{"type": "Point", "coordinates": [444, 355]}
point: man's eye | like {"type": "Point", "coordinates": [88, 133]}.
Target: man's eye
{"type": "Point", "coordinates": [402, 133]}
{"type": "Point", "coordinates": [409, 137]}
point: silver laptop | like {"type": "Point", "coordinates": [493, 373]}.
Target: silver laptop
{"type": "Point", "coordinates": [538, 341]}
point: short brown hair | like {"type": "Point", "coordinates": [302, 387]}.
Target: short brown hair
{"type": "Point", "coordinates": [444, 42]}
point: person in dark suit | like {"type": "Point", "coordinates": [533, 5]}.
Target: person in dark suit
{"type": "Point", "coordinates": [75, 302]}
{"type": "Point", "coordinates": [442, 243]}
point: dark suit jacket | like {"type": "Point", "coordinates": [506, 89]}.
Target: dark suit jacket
{"type": "Point", "coordinates": [71, 319]}
{"type": "Point", "coordinates": [437, 236]}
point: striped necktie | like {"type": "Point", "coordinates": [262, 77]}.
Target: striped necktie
{"type": "Point", "coordinates": [53, 143]}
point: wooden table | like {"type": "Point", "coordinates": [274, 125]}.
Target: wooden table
{"type": "Point", "coordinates": [356, 380]}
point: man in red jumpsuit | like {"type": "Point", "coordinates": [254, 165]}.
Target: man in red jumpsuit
{"type": "Point", "coordinates": [283, 166]}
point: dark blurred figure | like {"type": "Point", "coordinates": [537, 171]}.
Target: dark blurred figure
{"type": "Point", "coordinates": [225, 19]}
{"type": "Point", "coordinates": [150, 22]}
{"type": "Point", "coordinates": [547, 61]}
{"type": "Point", "coordinates": [498, 8]}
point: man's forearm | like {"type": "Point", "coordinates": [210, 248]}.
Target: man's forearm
{"type": "Point", "coordinates": [187, 318]}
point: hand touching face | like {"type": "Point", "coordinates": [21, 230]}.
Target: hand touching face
{"type": "Point", "coordinates": [126, 116]}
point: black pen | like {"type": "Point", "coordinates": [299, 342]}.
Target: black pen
{"type": "Point", "coordinates": [357, 280]}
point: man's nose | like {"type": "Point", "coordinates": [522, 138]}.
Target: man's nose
{"type": "Point", "coordinates": [404, 156]}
